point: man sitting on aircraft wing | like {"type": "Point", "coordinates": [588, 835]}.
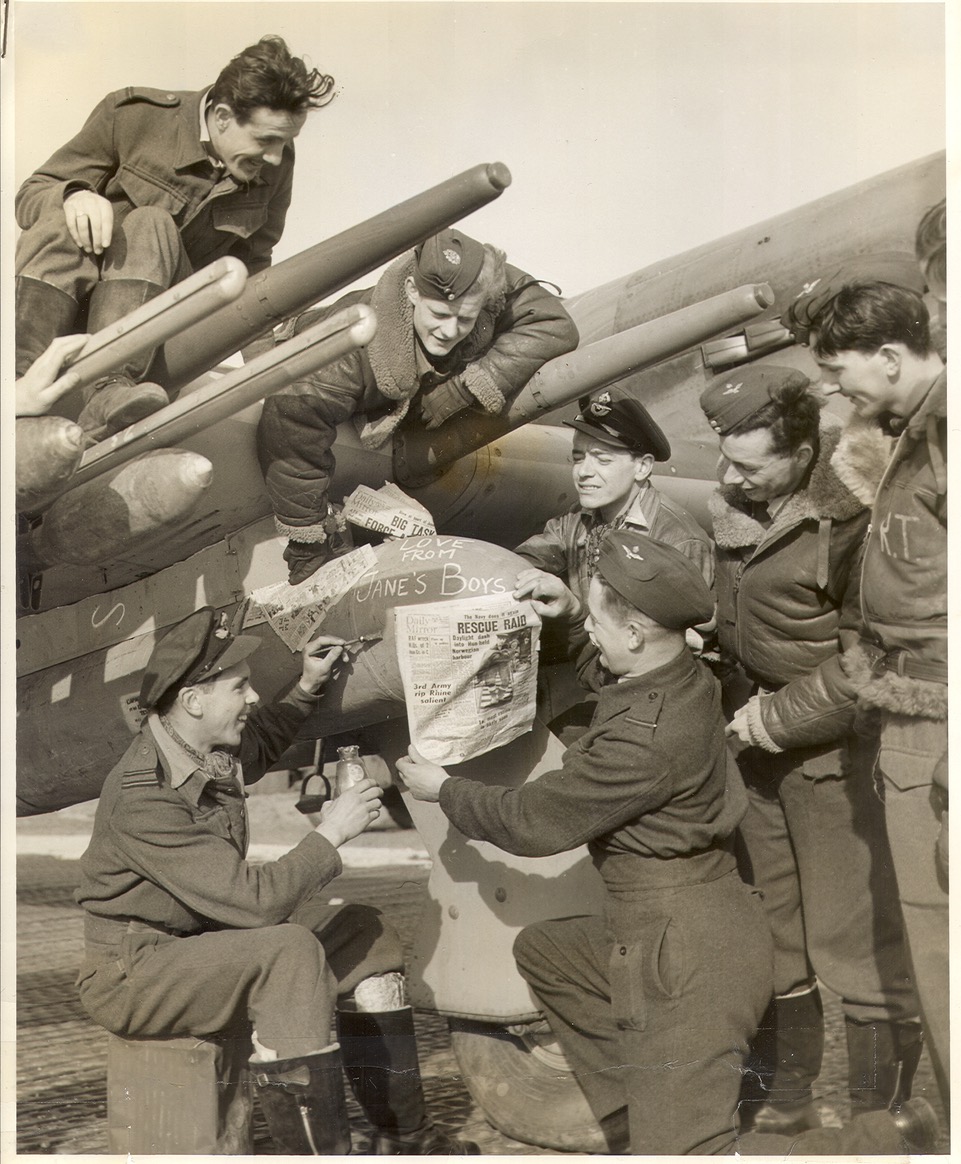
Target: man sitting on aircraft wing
{"type": "Point", "coordinates": [457, 327]}
{"type": "Point", "coordinates": [155, 185]}
{"type": "Point", "coordinates": [655, 1000]}
{"type": "Point", "coordinates": [184, 936]}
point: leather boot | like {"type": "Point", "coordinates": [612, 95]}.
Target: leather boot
{"type": "Point", "coordinates": [882, 1060]}
{"type": "Point", "coordinates": [380, 1058]}
{"type": "Point", "coordinates": [119, 400]}
{"type": "Point", "coordinates": [303, 558]}
{"type": "Point", "coordinates": [303, 1103]}
{"type": "Point", "coordinates": [42, 313]}
{"type": "Point", "coordinates": [785, 1060]}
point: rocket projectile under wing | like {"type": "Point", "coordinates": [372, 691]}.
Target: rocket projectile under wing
{"type": "Point", "coordinates": [175, 310]}
{"type": "Point", "coordinates": [201, 405]}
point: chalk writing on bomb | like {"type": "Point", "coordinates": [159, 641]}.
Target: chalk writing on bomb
{"type": "Point", "coordinates": [449, 582]}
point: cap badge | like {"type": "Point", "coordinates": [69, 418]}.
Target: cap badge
{"type": "Point", "coordinates": [222, 631]}
{"type": "Point", "coordinates": [807, 288]}
{"type": "Point", "coordinates": [733, 389]}
{"type": "Point", "coordinates": [601, 406]}
{"type": "Point", "coordinates": [452, 257]}
{"type": "Point", "coordinates": [633, 553]}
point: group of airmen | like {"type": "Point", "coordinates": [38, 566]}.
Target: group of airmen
{"type": "Point", "coordinates": [760, 775]}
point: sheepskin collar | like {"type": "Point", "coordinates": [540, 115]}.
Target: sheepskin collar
{"type": "Point", "coordinates": [861, 456]}
{"type": "Point", "coordinates": [823, 496]}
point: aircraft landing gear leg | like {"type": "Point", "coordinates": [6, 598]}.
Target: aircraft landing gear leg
{"type": "Point", "coordinates": [520, 1079]}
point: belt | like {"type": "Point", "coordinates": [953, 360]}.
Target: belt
{"type": "Point", "coordinates": [109, 931]}
{"type": "Point", "coordinates": [899, 662]}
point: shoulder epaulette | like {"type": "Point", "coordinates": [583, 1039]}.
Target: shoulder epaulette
{"type": "Point", "coordinates": [145, 779]}
{"type": "Point", "coordinates": [645, 714]}
{"type": "Point", "coordinates": [144, 773]}
{"type": "Point", "coordinates": [162, 97]}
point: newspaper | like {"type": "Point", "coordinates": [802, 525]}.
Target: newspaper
{"type": "Point", "coordinates": [388, 510]}
{"type": "Point", "coordinates": [295, 612]}
{"type": "Point", "coordinates": [469, 673]}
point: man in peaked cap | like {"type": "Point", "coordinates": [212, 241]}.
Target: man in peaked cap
{"type": "Point", "coordinates": [157, 184]}
{"type": "Point", "coordinates": [657, 1047]}
{"type": "Point", "coordinates": [184, 936]}
{"type": "Point", "coordinates": [616, 444]}
{"type": "Point", "coordinates": [873, 344]}
{"type": "Point", "coordinates": [457, 327]}
{"type": "Point", "coordinates": [788, 536]}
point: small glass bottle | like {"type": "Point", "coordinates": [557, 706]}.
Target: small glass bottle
{"type": "Point", "coordinates": [350, 768]}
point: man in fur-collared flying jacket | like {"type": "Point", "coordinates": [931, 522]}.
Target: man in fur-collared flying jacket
{"type": "Point", "coordinates": [788, 537]}
{"type": "Point", "coordinates": [457, 327]}
{"type": "Point", "coordinates": [870, 333]}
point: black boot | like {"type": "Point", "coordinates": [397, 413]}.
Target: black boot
{"type": "Point", "coordinates": [380, 1058]}
{"type": "Point", "coordinates": [42, 313]}
{"type": "Point", "coordinates": [303, 1103]}
{"type": "Point", "coordinates": [786, 1059]}
{"type": "Point", "coordinates": [882, 1060]}
{"type": "Point", "coordinates": [303, 558]}
{"type": "Point", "coordinates": [119, 400]}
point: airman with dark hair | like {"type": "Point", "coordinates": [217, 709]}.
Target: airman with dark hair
{"type": "Point", "coordinates": [154, 186]}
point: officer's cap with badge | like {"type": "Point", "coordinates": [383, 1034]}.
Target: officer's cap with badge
{"type": "Point", "coordinates": [446, 265]}
{"type": "Point", "coordinates": [623, 422]}
{"type": "Point", "coordinates": [728, 400]}
{"type": "Point", "coordinates": [660, 581]}
{"type": "Point", "coordinates": [198, 647]}
{"type": "Point", "coordinates": [895, 267]}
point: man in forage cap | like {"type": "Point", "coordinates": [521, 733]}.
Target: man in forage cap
{"type": "Point", "coordinates": [657, 1045]}
{"type": "Point", "coordinates": [458, 327]}
{"type": "Point", "coordinates": [184, 936]}
{"type": "Point", "coordinates": [788, 535]}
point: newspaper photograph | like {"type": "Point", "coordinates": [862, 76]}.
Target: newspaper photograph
{"type": "Point", "coordinates": [469, 673]}
{"type": "Point", "coordinates": [295, 612]}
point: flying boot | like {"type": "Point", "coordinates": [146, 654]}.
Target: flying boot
{"type": "Point", "coordinates": [303, 558]}
{"type": "Point", "coordinates": [119, 400]}
{"type": "Point", "coordinates": [42, 313]}
{"type": "Point", "coordinates": [882, 1060]}
{"type": "Point", "coordinates": [786, 1057]}
{"type": "Point", "coordinates": [303, 1103]}
{"type": "Point", "coordinates": [380, 1058]}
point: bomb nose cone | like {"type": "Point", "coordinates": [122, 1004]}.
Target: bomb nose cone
{"type": "Point", "coordinates": [196, 472]}
{"type": "Point", "coordinates": [109, 515]}
{"type": "Point", "coordinates": [48, 450]}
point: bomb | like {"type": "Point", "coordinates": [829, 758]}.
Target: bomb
{"type": "Point", "coordinates": [106, 516]}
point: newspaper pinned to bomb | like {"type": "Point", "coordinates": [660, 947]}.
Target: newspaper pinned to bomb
{"type": "Point", "coordinates": [295, 612]}
{"type": "Point", "coordinates": [469, 669]}
{"type": "Point", "coordinates": [388, 510]}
